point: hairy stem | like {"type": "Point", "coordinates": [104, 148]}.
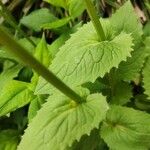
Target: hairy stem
{"type": "Point", "coordinates": [95, 19]}
{"type": "Point", "coordinates": [17, 50]}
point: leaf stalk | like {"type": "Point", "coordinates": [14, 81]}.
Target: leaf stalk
{"type": "Point", "coordinates": [95, 19]}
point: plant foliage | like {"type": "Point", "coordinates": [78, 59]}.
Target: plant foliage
{"type": "Point", "coordinates": [103, 102]}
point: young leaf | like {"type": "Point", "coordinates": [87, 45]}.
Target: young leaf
{"type": "Point", "coordinates": [83, 58]}
{"type": "Point", "coordinates": [126, 20]}
{"type": "Point", "coordinates": [9, 139]}
{"type": "Point", "coordinates": [42, 53]}
{"type": "Point", "coordinates": [61, 121]}
{"type": "Point", "coordinates": [37, 18]}
{"type": "Point", "coordinates": [14, 94]}
{"type": "Point", "coordinates": [126, 129]}
{"type": "Point", "coordinates": [56, 24]}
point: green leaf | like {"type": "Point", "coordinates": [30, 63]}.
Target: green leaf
{"type": "Point", "coordinates": [95, 87]}
{"type": "Point", "coordinates": [61, 121]}
{"type": "Point", "coordinates": [7, 64]}
{"type": "Point", "coordinates": [146, 77]}
{"type": "Point", "coordinates": [27, 45]}
{"type": "Point", "coordinates": [9, 139]}
{"type": "Point", "coordinates": [76, 7]}
{"type": "Point", "coordinates": [147, 4]}
{"type": "Point", "coordinates": [130, 69]}
{"type": "Point", "coordinates": [88, 142]}
{"type": "Point", "coordinates": [59, 3]}
{"type": "Point", "coordinates": [147, 43]}
{"type": "Point", "coordinates": [83, 58]}
{"type": "Point", "coordinates": [5, 55]}
{"type": "Point", "coordinates": [54, 47]}
{"type": "Point", "coordinates": [142, 102]}
{"type": "Point", "coordinates": [8, 74]}
{"type": "Point", "coordinates": [42, 53]}
{"type": "Point", "coordinates": [121, 94]}
{"type": "Point", "coordinates": [37, 18]}
{"type": "Point", "coordinates": [126, 129]}
{"type": "Point", "coordinates": [56, 24]}
{"type": "Point", "coordinates": [34, 106]}
{"type": "Point", "coordinates": [147, 29]}
{"type": "Point", "coordinates": [14, 94]}
{"type": "Point", "coordinates": [117, 91]}
{"type": "Point", "coordinates": [25, 74]}
{"type": "Point", "coordinates": [125, 19]}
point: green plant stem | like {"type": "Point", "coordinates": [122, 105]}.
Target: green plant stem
{"type": "Point", "coordinates": [95, 19]}
{"type": "Point", "coordinates": [17, 50]}
{"type": "Point", "coordinates": [10, 19]}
